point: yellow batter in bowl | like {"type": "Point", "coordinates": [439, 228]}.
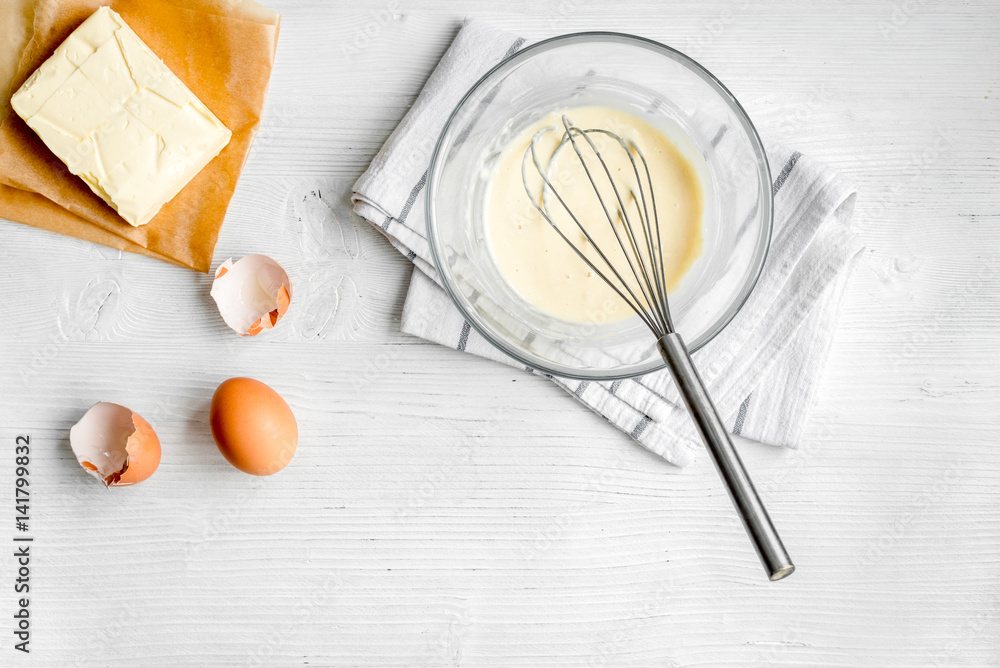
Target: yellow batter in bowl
{"type": "Point", "coordinates": [538, 263]}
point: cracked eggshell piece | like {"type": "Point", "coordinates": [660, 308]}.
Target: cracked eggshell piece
{"type": "Point", "coordinates": [115, 445]}
{"type": "Point", "coordinates": [252, 294]}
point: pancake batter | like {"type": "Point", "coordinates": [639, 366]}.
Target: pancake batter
{"type": "Point", "coordinates": [538, 263]}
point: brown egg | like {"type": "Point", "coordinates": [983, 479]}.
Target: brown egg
{"type": "Point", "coordinates": [253, 426]}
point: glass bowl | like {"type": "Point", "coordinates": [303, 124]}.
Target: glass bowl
{"type": "Point", "coordinates": [669, 91]}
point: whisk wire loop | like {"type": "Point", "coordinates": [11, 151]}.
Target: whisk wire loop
{"type": "Point", "coordinates": [625, 292]}
{"type": "Point", "coordinates": [647, 268]}
{"type": "Point", "coordinates": [661, 274]}
{"type": "Point", "coordinates": [640, 274]}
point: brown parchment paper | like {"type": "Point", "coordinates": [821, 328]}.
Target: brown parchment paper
{"type": "Point", "coordinates": [222, 49]}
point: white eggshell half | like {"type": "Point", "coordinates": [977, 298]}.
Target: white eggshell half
{"type": "Point", "coordinates": [115, 445]}
{"type": "Point", "coordinates": [252, 294]}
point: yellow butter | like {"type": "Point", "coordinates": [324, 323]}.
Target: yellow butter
{"type": "Point", "coordinates": [107, 107]}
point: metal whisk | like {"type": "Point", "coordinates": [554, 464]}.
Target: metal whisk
{"type": "Point", "coordinates": [643, 286]}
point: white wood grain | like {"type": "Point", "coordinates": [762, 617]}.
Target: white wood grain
{"type": "Point", "coordinates": [510, 526]}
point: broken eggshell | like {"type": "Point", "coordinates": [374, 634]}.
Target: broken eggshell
{"type": "Point", "coordinates": [252, 294]}
{"type": "Point", "coordinates": [115, 445]}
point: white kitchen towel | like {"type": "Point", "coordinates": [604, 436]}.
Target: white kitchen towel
{"type": "Point", "coordinates": [762, 370]}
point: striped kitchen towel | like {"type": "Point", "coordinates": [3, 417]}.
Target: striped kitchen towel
{"type": "Point", "coordinates": [762, 370]}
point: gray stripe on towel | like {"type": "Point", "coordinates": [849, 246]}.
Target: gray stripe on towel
{"type": "Point", "coordinates": [741, 416]}
{"type": "Point", "coordinates": [785, 171]}
{"type": "Point", "coordinates": [641, 427]}
{"type": "Point", "coordinates": [463, 338]}
{"type": "Point", "coordinates": [413, 197]}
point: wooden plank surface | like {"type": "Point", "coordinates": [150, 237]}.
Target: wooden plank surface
{"type": "Point", "coordinates": [443, 510]}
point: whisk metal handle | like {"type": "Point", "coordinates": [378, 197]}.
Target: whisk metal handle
{"type": "Point", "coordinates": [751, 510]}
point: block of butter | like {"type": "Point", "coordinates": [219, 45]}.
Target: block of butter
{"type": "Point", "coordinates": [107, 107]}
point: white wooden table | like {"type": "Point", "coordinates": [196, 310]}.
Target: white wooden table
{"type": "Point", "coordinates": [514, 527]}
